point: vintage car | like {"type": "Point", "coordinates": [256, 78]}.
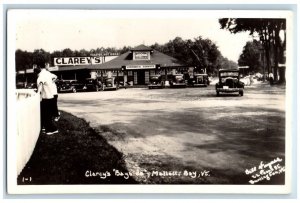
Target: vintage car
{"type": "Point", "coordinates": [109, 84]}
{"type": "Point", "coordinates": [155, 81]}
{"type": "Point", "coordinates": [70, 86]}
{"type": "Point", "coordinates": [31, 85]}
{"type": "Point", "coordinates": [26, 85]}
{"type": "Point", "coordinates": [177, 80]}
{"type": "Point", "coordinates": [229, 82]}
{"type": "Point", "coordinates": [93, 84]}
{"type": "Point", "coordinates": [198, 80]}
{"type": "Point", "coordinates": [21, 85]}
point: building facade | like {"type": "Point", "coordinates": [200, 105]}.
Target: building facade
{"type": "Point", "coordinates": [138, 64]}
{"type": "Point", "coordinates": [133, 67]}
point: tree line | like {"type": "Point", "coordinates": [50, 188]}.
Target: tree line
{"type": "Point", "coordinates": [199, 52]}
{"type": "Point", "coordinates": [271, 44]}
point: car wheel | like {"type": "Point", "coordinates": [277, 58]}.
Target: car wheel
{"type": "Point", "coordinates": [218, 93]}
{"type": "Point", "coordinates": [74, 90]}
{"type": "Point", "coordinates": [241, 93]}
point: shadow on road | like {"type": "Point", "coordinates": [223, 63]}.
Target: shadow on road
{"type": "Point", "coordinates": [225, 143]}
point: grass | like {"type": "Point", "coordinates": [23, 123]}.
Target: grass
{"type": "Point", "coordinates": [70, 156]}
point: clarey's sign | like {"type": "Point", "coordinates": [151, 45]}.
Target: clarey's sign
{"type": "Point", "coordinates": [73, 61]}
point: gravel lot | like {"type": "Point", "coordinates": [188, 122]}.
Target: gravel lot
{"type": "Point", "coordinates": [188, 131]}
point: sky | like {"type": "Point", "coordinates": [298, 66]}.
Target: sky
{"type": "Point", "coordinates": [86, 29]}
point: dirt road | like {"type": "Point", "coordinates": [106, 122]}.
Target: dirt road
{"type": "Point", "coordinates": [187, 135]}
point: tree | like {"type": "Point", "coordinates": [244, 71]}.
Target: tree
{"type": "Point", "coordinates": [225, 63]}
{"type": "Point", "coordinates": [83, 53]}
{"type": "Point", "coordinates": [21, 60]}
{"type": "Point", "coordinates": [268, 31]}
{"type": "Point", "coordinates": [68, 53]}
{"type": "Point", "coordinates": [251, 56]}
{"type": "Point", "coordinates": [40, 57]}
{"type": "Point", "coordinates": [199, 52]}
{"type": "Point", "coordinates": [124, 49]}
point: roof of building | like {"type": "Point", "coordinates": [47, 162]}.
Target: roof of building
{"type": "Point", "coordinates": [126, 59]}
{"type": "Point", "coordinates": [156, 58]}
{"type": "Point", "coordinates": [141, 48]}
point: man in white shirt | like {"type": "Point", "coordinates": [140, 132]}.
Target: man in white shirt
{"type": "Point", "coordinates": [55, 112]}
{"type": "Point", "coordinates": [45, 88]}
{"type": "Point", "coordinates": [271, 78]}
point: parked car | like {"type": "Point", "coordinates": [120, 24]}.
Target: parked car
{"type": "Point", "coordinates": [21, 85]}
{"type": "Point", "coordinates": [31, 85]}
{"type": "Point", "coordinates": [70, 86]}
{"type": "Point", "coordinates": [155, 81]}
{"type": "Point", "coordinates": [26, 85]}
{"type": "Point", "coordinates": [229, 82]}
{"type": "Point", "coordinates": [93, 84]}
{"type": "Point", "coordinates": [198, 80]}
{"type": "Point", "coordinates": [177, 80]}
{"type": "Point", "coordinates": [109, 84]}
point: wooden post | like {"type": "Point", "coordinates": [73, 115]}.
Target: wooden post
{"type": "Point", "coordinates": [118, 77]}
{"type": "Point", "coordinates": [166, 74]}
{"type": "Point", "coordinates": [125, 77]}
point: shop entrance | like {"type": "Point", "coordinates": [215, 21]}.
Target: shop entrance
{"type": "Point", "coordinates": [141, 77]}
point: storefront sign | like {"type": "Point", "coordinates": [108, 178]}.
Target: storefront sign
{"type": "Point", "coordinates": [135, 67]}
{"type": "Point", "coordinates": [139, 55]}
{"type": "Point", "coordinates": [54, 68]}
{"type": "Point", "coordinates": [29, 70]}
{"type": "Point", "coordinates": [105, 54]}
{"type": "Point", "coordinates": [61, 61]}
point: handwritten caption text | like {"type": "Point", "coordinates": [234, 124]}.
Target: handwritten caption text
{"type": "Point", "coordinates": [264, 171]}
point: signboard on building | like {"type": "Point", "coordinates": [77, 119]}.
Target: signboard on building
{"type": "Point", "coordinates": [53, 68]}
{"type": "Point", "coordinates": [141, 55]}
{"type": "Point", "coordinates": [135, 67]}
{"type": "Point", "coordinates": [105, 54]}
{"type": "Point", "coordinates": [63, 61]}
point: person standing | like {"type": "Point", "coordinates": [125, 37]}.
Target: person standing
{"type": "Point", "coordinates": [55, 112]}
{"type": "Point", "coordinates": [271, 78]}
{"type": "Point", "coordinates": [44, 83]}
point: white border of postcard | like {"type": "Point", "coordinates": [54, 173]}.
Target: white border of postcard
{"type": "Point", "coordinates": [13, 188]}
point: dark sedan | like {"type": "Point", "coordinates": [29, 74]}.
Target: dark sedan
{"type": "Point", "coordinates": [229, 82]}
{"type": "Point", "coordinates": [70, 86]}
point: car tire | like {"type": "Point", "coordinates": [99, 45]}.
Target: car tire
{"type": "Point", "coordinates": [241, 93]}
{"type": "Point", "coordinates": [218, 93]}
{"type": "Point", "coordinates": [74, 90]}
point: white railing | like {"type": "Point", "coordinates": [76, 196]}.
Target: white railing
{"type": "Point", "coordinates": [28, 125]}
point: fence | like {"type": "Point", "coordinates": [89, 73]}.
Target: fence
{"type": "Point", "coordinates": [28, 125]}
